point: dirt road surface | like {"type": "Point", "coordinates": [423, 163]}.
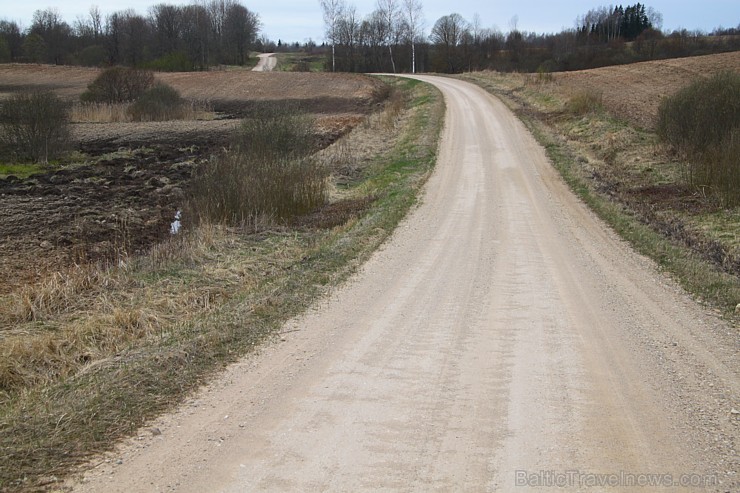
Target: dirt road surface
{"type": "Point", "coordinates": [267, 62]}
{"type": "Point", "coordinates": [503, 338]}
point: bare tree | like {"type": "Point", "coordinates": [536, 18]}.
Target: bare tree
{"type": "Point", "coordinates": [373, 35]}
{"type": "Point", "coordinates": [167, 21]}
{"type": "Point", "coordinates": [390, 12]}
{"type": "Point", "coordinates": [91, 27]}
{"type": "Point", "coordinates": [476, 27]}
{"type": "Point", "coordinates": [197, 34]}
{"type": "Point", "coordinates": [13, 36]}
{"type": "Point", "coordinates": [239, 31]}
{"type": "Point", "coordinates": [448, 33]}
{"type": "Point", "coordinates": [96, 21]}
{"type": "Point", "coordinates": [414, 19]}
{"type": "Point", "coordinates": [655, 18]}
{"type": "Point", "coordinates": [332, 14]}
{"type": "Point", "coordinates": [348, 31]}
{"type": "Point", "coordinates": [49, 25]}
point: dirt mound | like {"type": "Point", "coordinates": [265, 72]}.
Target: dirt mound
{"type": "Point", "coordinates": [634, 92]}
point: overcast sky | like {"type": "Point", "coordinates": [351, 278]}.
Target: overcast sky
{"type": "Point", "coordinates": [299, 20]}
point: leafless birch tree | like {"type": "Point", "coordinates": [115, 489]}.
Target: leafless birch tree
{"type": "Point", "coordinates": [333, 10]}
{"type": "Point", "coordinates": [414, 19]}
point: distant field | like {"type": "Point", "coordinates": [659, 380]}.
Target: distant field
{"type": "Point", "coordinates": [633, 92]}
{"type": "Point", "coordinates": [216, 85]}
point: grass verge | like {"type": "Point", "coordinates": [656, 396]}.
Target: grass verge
{"type": "Point", "coordinates": [611, 166]}
{"type": "Point", "coordinates": [103, 352]}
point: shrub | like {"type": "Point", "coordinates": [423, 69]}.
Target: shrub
{"type": "Point", "coordinates": [702, 123]}
{"type": "Point", "coordinates": [237, 189]}
{"type": "Point", "coordinates": [159, 103]}
{"type": "Point", "coordinates": [301, 66]}
{"type": "Point", "coordinates": [274, 129]}
{"type": "Point", "coordinates": [584, 102]}
{"type": "Point", "coordinates": [266, 175]}
{"type": "Point", "coordinates": [544, 72]}
{"type": "Point", "coordinates": [118, 85]}
{"type": "Point", "coordinates": [35, 126]}
{"type": "Point", "coordinates": [719, 170]}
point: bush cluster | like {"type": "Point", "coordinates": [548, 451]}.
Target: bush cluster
{"type": "Point", "coordinates": [159, 103]}
{"type": "Point", "coordinates": [35, 126]}
{"type": "Point", "coordinates": [702, 123]}
{"type": "Point", "coordinates": [149, 100]}
{"type": "Point", "coordinates": [267, 174]}
{"type": "Point", "coordinates": [118, 85]}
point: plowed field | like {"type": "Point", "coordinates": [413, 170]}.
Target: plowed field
{"type": "Point", "coordinates": [634, 92]}
{"type": "Point", "coordinates": [125, 191]}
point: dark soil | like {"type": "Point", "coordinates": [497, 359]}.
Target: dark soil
{"type": "Point", "coordinates": [124, 201]}
{"type": "Point", "coordinates": [90, 213]}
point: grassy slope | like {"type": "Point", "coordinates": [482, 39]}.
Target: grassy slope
{"type": "Point", "coordinates": [604, 159]}
{"type": "Point", "coordinates": [122, 346]}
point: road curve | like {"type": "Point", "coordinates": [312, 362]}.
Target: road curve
{"type": "Point", "coordinates": [503, 337]}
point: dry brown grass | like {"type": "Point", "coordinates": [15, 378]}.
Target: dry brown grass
{"type": "Point", "coordinates": [54, 328]}
{"type": "Point", "coordinates": [100, 113]}
{"type": "Point", "coordinates": [583, 102]}
{"type": "Point", "coordinates": [119, 113]}
{"type": "Point", "coordinates": [59, 293]}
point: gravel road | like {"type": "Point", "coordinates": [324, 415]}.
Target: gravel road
{"type": "Point", "coordinates": [266, 63]}
{"type": "Point", "coordinates": [503, 339]}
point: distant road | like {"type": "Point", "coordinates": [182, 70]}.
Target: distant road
{"type": "Point", "coordinates": [266, 63]}
{"type": "Point", "coordinates": [503, 337]}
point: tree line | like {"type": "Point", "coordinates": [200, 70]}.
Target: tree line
{"type": "Point", "coordinates": [169, 37]}
{"type": "Point", "coordinates": [611, 23]}
{"type": "Point", "coordinates": [391, 39]}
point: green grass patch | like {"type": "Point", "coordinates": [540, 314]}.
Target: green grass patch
{"type": "Point", "coordinates": [299, 62]}
{"type": "Point", "coordinates": [20, 170]}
